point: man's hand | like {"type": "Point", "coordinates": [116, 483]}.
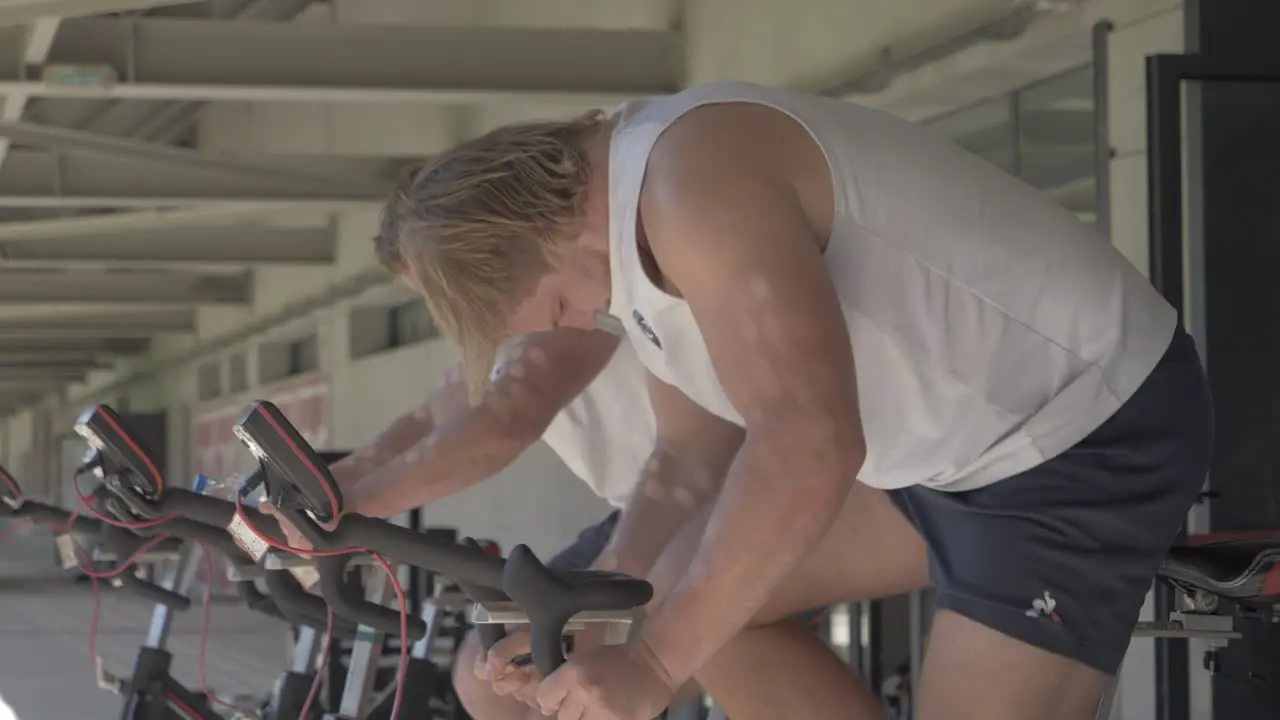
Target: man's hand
{"type": "Point", "coordinates": [508, 679]}
{"type": "Point", "coordinates": [616, 682]}
{"type": "Point", "coordinates": [295, 539]}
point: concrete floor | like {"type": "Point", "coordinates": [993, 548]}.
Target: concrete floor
{"type": "Point", "coordinates": [45, 670]}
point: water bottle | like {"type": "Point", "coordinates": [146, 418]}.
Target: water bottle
{"type": "Point", "coordinates": [226, 488]}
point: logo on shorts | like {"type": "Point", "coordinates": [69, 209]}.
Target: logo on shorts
{"type": "Point", "coordinates": [644, 328]}
{"type": "Point", "coordinates": [1044, 607]}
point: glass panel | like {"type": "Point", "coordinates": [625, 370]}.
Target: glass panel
{"type": "Point", "coordinates": [1056, 143]}
{"type": "Point", "coordinates": [984, 129]}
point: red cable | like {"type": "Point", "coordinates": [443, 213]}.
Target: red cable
{"type": "Point", "coordinates": [204, 636]}
{"type": "Point", "coordinates": [395, 585]}
{"type": "Point", "coordinates": [182, 707]}
{"type": "Point", "coordinates": [404, 633]}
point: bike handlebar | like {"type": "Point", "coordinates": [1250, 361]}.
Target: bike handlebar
{"type": "Point", "coordinates": [152, 592]}
{"type": "Point", "coordinates": [347, 600]}
{"type": "Point", "coordinates": [306, 494]}
{"type": "Point", "coordinates": [300, 606]}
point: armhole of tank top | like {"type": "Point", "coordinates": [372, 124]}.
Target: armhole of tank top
{"type": "Point", "coordinates": [815, 129]}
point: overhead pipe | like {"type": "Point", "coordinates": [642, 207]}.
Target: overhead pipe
{"type": "Point", "coordinates": [1006, 28]}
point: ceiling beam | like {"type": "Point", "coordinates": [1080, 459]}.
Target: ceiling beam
{"type": "Point", "coordinates": [197, 246]}
{"type": "Point", "coordinates": [90, 324]}
{"type": "Point", "coordinates": [16, 12]}
{"type": "Point", "coordinates": [167, 123]}
{"type": "Point", "coordinates": [37, 358]}
{"type": "Point", "coordinates": [259, 177]}
{"type": "Point", "coordinates": [113, 287]}
{"type": "Point", "coordinates": [165, 59]}
{"type": "Point", "coordinates": [35, 178]}
{"type": "Point", "coordinates": [107, 225]}
{"type": "Point", "coordinates": [37, 40]}
{"type": "Point", "coordinates": [1054, 43]}
{"type": "Point", "coordinates": [63, 373]}
{"type": "Point", "coordinates": [105, 347]}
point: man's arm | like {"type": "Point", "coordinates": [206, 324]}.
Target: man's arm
{"type": "Point", "coordinates": [729, 229]}
{"type": "Point", "coordinates": [535, 378]}
{"type": "Point", "coordinates": [684, 472]}
{"type": "Point", "coordinates": [448, 397]}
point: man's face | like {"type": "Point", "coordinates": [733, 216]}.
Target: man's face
{"type": "Point", "coordinates": [560, 299]}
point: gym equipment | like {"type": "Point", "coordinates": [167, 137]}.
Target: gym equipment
{"type": "Point", "coordinates": [119, 454]}
{"type": "Point", "coordinates": [1219, 578]}
{"type": "Point", "coordinates": [519, 589]}
{"type": "Point", "coordinates": [120, 457]}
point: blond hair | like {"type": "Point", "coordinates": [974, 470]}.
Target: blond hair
{"type": "Point", "coordinates": [479, 225]}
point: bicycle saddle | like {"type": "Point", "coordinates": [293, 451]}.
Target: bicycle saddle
{"type": "Point", "coordinates": [1239, 567]}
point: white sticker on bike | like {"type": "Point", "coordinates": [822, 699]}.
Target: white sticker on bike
{"type": "Point", "coordinates": [247, 539]}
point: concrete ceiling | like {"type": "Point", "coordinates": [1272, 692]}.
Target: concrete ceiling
{"type": "Point", "coordinates": [115, 228]}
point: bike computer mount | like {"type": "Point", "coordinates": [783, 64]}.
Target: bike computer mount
{"type": "Point", "coordinates": [123, 458]}
{"type": "Point", "coordinates": [295, 476]}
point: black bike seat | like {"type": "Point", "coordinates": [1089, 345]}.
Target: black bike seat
{"type": "Point", "coordinates": [1235, 566]}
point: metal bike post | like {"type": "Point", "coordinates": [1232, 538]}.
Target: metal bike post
{"type": "Point", "coordinates": [179, 580]}
{"type": "Point", "coordinates": [366, 653]}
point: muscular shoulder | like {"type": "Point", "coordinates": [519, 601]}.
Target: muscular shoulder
{"type": "Point", "coordinates": [719, 141]}
{"type": "Point", "coordinates": [724, 166]}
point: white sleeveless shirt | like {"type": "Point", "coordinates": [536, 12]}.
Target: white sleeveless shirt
{"type": "Point", "coordinates": [606, 434]}
{"type": "Point", "coordinates": [991, 329]}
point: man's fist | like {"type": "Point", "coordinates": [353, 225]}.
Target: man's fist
{"type": "Point", "coordinates": [506, 677]}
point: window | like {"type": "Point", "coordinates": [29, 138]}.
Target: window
{"type": "Point", "coordinates": [237, 373]}
{"type": "Point", "coordinates": [378, 328]}
{"type": "Point", "coordinates": [410, 323]}
{"type": "Point", "coordinates": [209, 380]}
{"type": "Point", "coordinates": [287, 358]}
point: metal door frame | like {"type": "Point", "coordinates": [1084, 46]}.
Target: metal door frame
{"type": "Point", "coordinates": [1165, 75]}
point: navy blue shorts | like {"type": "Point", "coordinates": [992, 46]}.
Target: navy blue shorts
{"type": "Point", "coordinates": [1062, 556]}
{"type": "Point", "coordinates": [579, 554]}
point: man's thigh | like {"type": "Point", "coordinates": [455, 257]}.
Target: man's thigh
{"type": "Point", "coordinates": [972, 672]}
{"type": "Point", "coordinates": [870, 551]}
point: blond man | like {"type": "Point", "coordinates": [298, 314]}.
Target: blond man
{"type": "Point", "coordinates": [923, 351]}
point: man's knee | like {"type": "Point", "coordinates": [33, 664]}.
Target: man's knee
{"type": "Point", "coordinates": [470, 689]}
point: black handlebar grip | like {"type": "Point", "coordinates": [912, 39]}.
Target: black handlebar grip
{"type": "Point", "coordinates": [490, 634]}
{"type": "Point", "coordinates": [546, 600]}
{"type": "Point", "coordinates": [348, 602]}
{"type": "Point", "coordinates": [295, 603]}
{"type": "Point", "coordinates": [256, 600]}
{"type": "Point", "coordinates": [300, 607]}
{"type": "Point", "coordinates": [153, 592]}
{"type": "Point", "coordinates": [551, 598]}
